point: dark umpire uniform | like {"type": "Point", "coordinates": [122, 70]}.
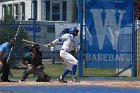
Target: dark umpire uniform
{"type": "Point", "coordinates": [34, 65]}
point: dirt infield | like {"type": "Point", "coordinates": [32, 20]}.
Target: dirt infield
{"type": "Point", "coordinates": [110, 83]}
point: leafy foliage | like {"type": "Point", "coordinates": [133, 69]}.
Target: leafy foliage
{"type": "Point", "coordinates": [10, 28]}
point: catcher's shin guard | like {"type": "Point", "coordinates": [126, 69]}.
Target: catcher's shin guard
{"type": "Point", "coordinates": [39, 80]}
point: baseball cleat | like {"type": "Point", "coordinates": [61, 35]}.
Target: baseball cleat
{"type": "Point", "coordinates": [6, 80]}
{"type": "Point", "coordinates": [62, 80]}
{"type": "Point", "coordinates": [47, 78]}
{"type": "Point", "coordinates": [22, 80]}
{"type": "Point", "coordinates": [74, 79]}
{"type": "Point", "coordinates": [39, 80]}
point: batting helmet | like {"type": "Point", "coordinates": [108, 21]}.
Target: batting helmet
{"type": "Point", "coordinates": [72, 30]}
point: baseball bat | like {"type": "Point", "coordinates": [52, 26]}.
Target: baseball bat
{"type": "Point", "coordinates": [31, 42]}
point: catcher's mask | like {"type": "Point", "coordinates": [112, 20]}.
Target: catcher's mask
{"type": "Point", "coordinates": [36, 47]}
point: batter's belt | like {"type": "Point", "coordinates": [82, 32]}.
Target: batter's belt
{"type": "Point", "coordinates": [65, 50]}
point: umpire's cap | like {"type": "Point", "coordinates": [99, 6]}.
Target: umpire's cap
{"type": "Point", "coordinates": [72, 30]}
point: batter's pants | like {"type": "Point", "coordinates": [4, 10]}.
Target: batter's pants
{"type": "Point", "coordinates": [68, 58]}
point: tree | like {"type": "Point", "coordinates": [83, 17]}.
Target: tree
{"type": "Point", "coordinates": [73, 17]}
{"type": "Point", "coordinates": [9, 27]}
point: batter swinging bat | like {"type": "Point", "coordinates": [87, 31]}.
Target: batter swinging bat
{"type": "Point", "coordinates": [31, 42]}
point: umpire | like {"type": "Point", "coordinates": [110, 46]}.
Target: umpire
{"type": "Point", "coordinates": [33, 61]}
{"type": "Point", "coordinates": [5, 50]}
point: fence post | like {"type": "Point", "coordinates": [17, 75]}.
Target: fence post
{"type": "Point", "coordinates": [133, 41]}
{"type": "Point", "coordinates": [80, 20]}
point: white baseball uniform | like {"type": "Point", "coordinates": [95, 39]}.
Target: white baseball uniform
{"type": "Point", "coordinates": [69, 43]}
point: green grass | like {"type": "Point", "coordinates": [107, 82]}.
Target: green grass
{"type": "Point", "coordinates": [55, 70]}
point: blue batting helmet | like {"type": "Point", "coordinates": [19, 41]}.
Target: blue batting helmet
{"type": "Point", "coordinates": [72, 30]}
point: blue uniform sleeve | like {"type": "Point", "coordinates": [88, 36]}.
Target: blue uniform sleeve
{"type": "Point", "coordinates": [60, 39]}
{"type": "Point", "coordinates": [65, 37]}
{"type": "Point", "coordinates": [2, 48]}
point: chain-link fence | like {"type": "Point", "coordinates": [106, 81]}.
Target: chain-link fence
{"type": "Point", "coordinates": [42, 21]}
{"type": "Point", "coordinates": [36, 21]}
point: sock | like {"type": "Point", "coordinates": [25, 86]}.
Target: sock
{"type": "Point", "coordinates": [74, 67]}
{"type": "Point", "coordinates": [66, 71]}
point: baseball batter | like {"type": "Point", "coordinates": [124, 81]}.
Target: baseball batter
{"type": "Point", "coordinates": [69, 43]}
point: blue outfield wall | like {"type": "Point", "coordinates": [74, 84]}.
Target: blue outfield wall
{"type": "Point", "coordinates": [109, 33]}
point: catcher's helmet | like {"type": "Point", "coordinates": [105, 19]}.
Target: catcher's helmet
{"type": "Point", "coordinates": [36, 47]}
{"type": "Point", "coordinates": [72, 30]}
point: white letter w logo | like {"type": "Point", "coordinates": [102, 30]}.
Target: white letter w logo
{"type": "Point", "coordinates": [107, 22]}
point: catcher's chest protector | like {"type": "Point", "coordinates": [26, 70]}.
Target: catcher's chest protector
{"type": "Point", "coordinates": [36, 60]}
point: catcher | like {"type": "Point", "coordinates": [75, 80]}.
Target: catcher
{"type": "Point", "coordinates": [33, 61]}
